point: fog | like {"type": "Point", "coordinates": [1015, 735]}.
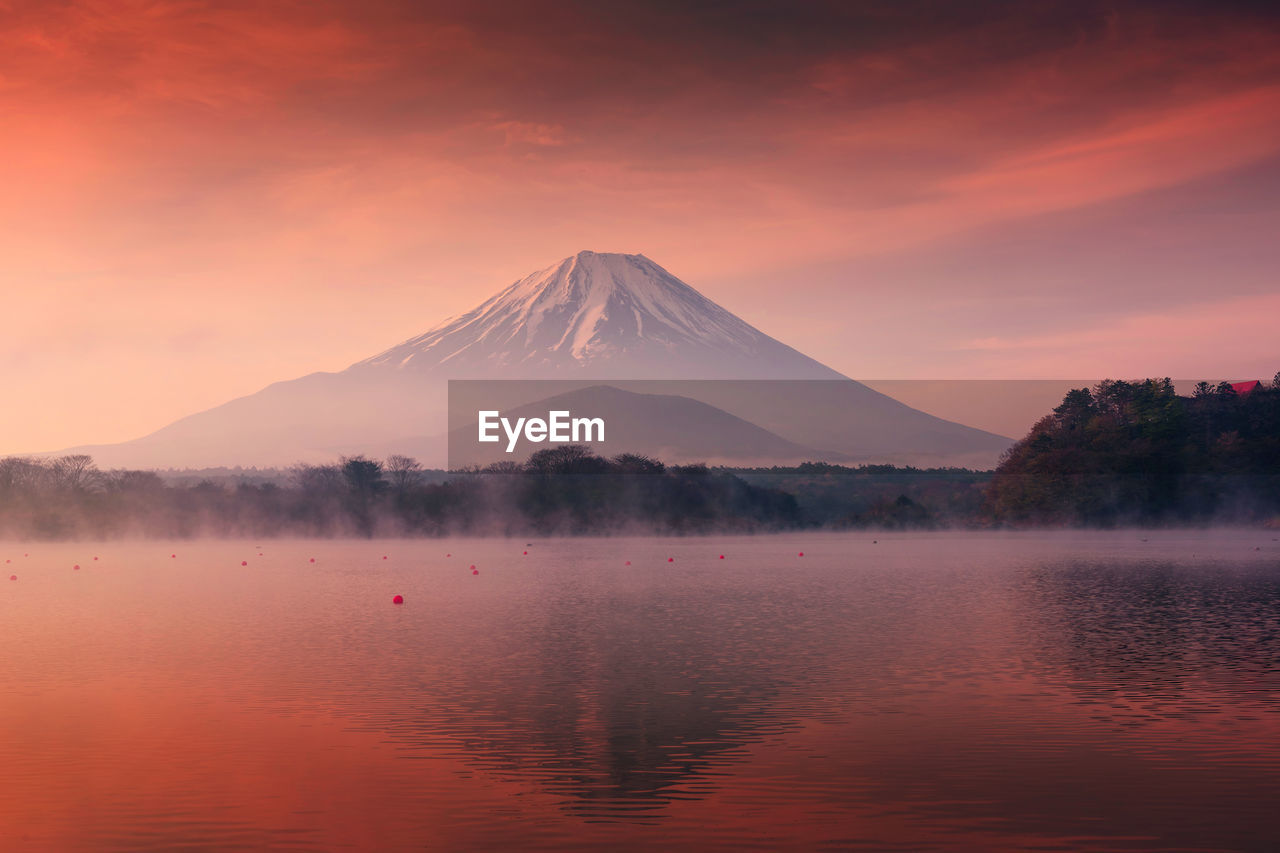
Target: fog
{"type": "Point", "coordinates": [561, 491]}
{"type": "Point", "coordinates": [568, 491]}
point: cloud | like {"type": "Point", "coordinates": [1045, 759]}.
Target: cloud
{"type": "Point", "coordinates": [368, 168]}
{"type": "Point", "coordinates": [1181, 342]}
{"type": "Point", "coordinates": [531, 133]}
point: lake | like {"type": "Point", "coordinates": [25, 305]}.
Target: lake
{"type": "Point", "coordinates": [1111, 691]}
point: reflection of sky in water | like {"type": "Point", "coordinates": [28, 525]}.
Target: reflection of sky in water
{"type": "Point", "coordinates": [941, 689]}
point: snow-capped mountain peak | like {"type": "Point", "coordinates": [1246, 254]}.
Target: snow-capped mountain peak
{"type": "Point", "coordinates": [595, 317]}
{"type": "Point", "coordinates": [599, 314]}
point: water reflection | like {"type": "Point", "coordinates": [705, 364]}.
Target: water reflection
{"type": "Point", "coordinates": [1167, 637]}
{"type": "Point", "coordinates": [923, 692]}
{"type": "Point", "coordinates": [600, 704]}
{"type": "Point", "coordinates": [980, 695]}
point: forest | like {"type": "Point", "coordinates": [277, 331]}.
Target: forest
{"type": "Point", "coordinates": [559, 491]}
{"type": "Point", "coordinates": [1137, 453]}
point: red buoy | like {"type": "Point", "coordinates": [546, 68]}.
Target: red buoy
{"type": "Point", "coordinates": [448, 555]}
{"type": "Point", "coordinates": [526, 553]}
{"type": "Point", "coordinates": [13, 577]}
{"type": "Point", "coordinates": [671, 559]}
{"type": "Point", "coordinates": [95, 558]}
{"type": "Point", "coordinates": [244, 562]}
{"type": "Point", "coordinates": [76, 567]}
{"type": "Point", "coordinates": [475, 571]}
{"type": "Point", "coordinates": [473, 565]}
{"type": "Point", "coordinates": [399, 599]}
{"type": "Point", "coordinates": [313, 559]}
{"type": "Point", "coordinates": [802, 553]}
{"type": "Point", "coordinates": [722, 556]}
{"type": "Point", "coordinates": [173, 556]}
{"type": "Point", "coordinates": [628, 562]}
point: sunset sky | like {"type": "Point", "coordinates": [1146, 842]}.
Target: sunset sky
{"type": "Point", "coordinates": [200, 198]}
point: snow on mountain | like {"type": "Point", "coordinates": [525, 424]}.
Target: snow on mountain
{"type": "Point", "coordinates": [600, 315]}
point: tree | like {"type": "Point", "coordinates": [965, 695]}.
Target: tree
{"type": "Point", "coordinates": [363, 476]}
{"type": "Point", "coordinates": [75, 472]}
{"type": "Point", "coordinates": [317, 479]}
{"type": "Point", "coordinates": [636, 463]}
{"type": "Point", "coordinates": [20, 475]}
{"type": "Point", "coordinates": [365, 485]}
{"type": "Point", "coordinates": [404, 472]}
{"type": "Point", "coordinates": [567, 459]}
{"type": "Point", "coordinates": [1076, 408]}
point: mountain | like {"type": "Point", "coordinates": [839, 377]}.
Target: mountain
{"type": "Point", "coordinates": [593, 316]}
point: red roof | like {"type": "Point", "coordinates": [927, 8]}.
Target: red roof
{"type": "Point", "coordinates": [1245, 387]}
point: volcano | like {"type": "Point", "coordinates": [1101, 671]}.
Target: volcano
{"type": "Point", "coordinates": [593, 316]}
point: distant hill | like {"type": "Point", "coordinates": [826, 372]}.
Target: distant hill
{"type": "Point", "coordinates": [674, 429]}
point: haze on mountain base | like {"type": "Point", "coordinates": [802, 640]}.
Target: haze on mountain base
{"type": "Point", "coordinates": [592, 316]}
{"type": "Point", "coordinates": [669, 427]}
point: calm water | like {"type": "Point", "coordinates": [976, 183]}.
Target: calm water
{"type": "Point", "coordinates": [955, 691]}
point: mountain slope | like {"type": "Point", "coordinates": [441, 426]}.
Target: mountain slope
{"type": "Point", "coordinates": [675, 429]}
{"type": "Point", "coordinates": [591, 316]}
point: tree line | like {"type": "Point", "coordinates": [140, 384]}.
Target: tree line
{"type": "Point", "coordinates": [1138, 453]}
{"type": "Point", "coordinates": [559, 491]}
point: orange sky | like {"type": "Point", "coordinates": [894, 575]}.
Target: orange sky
{"type": "Point", "coordinates": [202, 198]}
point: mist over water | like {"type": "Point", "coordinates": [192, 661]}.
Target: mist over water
{"type": "Point", "coordinates": [913, 691]}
